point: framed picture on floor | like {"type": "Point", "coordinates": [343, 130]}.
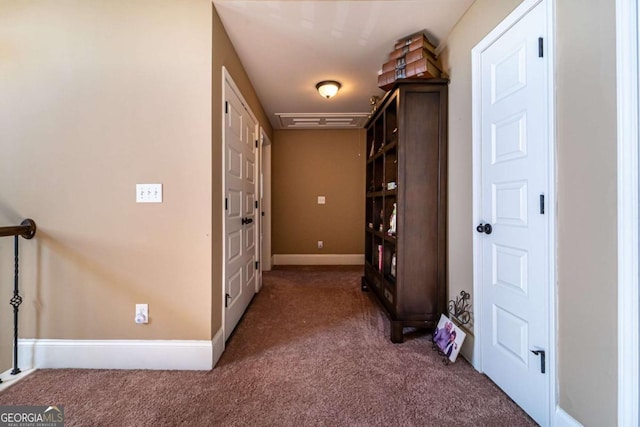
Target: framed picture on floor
{"type": "Point", "coordinates": [448, 337]}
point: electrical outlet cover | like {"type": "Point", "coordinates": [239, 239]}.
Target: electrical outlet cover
{"type": "Point", "coordinates": [142, 313]}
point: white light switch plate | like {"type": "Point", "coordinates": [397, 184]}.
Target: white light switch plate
{"type": "Point", "coordinates": [148, 193]}
{"type": "Point", "coordinates": [321, 200]}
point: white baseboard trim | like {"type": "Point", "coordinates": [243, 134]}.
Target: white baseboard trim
{"type": "Point", "coordinates": [116, 354]}
{"type": "Point", "coordinates": [319, 259]}
{"type": "Point", "coordinates": [565, 420]}
{"type": "Point", "coordinates": [467, 349]}
{"type": "Point", "coordinates": [8, 380]}
{"type": "Point", "coordinates": [218, 346]}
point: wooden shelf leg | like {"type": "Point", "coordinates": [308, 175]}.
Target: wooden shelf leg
{"type": "Point", "coordinates": [396, 332]}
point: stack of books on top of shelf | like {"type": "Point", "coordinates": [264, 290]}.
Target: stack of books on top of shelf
{"type": "Point", "coordinates": [413, 56]}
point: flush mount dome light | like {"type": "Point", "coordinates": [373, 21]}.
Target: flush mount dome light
{"type": "Point", "coordinates": [328, 88]}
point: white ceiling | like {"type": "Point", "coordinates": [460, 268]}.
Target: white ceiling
{"type": "Point", "coordinates": [288, 46]}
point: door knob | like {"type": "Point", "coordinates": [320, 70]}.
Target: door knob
{"type": "Point", "coordinates": [247, 220]}
{"type": "Point", "coordinates": [484, 228]}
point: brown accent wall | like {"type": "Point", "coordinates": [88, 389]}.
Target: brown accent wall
{"type": "Point", "coordinates": [311, 163]}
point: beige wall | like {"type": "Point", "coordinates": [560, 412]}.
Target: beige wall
{"type": "Point", "coordinates": [587, 218]}
{"type": "Point", "coordinates": [94, 103]}
{"type": "Point", "coordinates": [100, 97]}
{"type": "Point", "coordinates": [311, 163]}
{"type": "Point", "coordinates": [586, 223]}
{"type": "Point", "coordinates": [479, 20]}
{"type": "Point", "coordinates": [95, 97]}
{"type": "Point", "coordinates": [225, 55]}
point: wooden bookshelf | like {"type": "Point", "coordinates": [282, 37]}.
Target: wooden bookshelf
{"type": "Point", "coordinates": [407, 168]}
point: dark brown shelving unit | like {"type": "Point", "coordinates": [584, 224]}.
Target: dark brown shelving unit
{"type": "Point", "coordinates": [407, 167]}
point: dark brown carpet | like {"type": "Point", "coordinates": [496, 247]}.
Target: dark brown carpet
{"type": "Point", "coordinates": [312, 350]}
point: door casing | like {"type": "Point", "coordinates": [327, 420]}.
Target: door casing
{"type": "Point", "coordinates": [628, 110]}
{"type": "Point", "coordinates": [265, 203]}
{"type": "Point", "coordinates": [476, 52]}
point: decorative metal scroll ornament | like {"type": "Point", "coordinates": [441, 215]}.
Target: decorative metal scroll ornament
{"type": "Point", "coordinates": [459, 308]}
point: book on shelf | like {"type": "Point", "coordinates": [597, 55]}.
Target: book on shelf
{"type": "Point", "coordinates": [420, 43]}
{"type": "Point", "coordinates": [394, 64]}
{"type": "Point", "coordinates": [426, 68]}
{"type": "Point", "coordinates": [415, 38]}
{"type": "Point", "coordinates": [402, 62]}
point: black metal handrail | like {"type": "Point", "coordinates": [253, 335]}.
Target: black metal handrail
{"type": "Point", "coordinates": [26, 229]}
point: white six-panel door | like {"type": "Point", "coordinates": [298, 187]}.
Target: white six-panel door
{"type": "Point", "coordinates": [240, 209]}
{"type": "Point", "coordinates": [514, 190]}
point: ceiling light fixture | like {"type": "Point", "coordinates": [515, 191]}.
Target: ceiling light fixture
{"type": "Point", "coordinates": [328, 88]}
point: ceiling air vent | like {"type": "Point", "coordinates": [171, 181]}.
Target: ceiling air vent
{"type": "Point", "coordinates": [322, 120]}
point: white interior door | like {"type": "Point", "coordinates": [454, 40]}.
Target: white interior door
{"type": "Point", "coordinates": [513, 220]}
{"type": "Point", "coordinates": [240, 209]}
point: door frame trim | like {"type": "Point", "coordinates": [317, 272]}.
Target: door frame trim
{"type": "Point", "coordinates": [515, 16]}
{"type": "Point", "coordinates": [227, 79]}
{"type": "Point", "coordinates": [265, 167]}
{"type": "Point", "coordinates": [627, 41]}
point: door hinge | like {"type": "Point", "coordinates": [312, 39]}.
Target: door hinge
{"type": "Point", "coordinates": [542, 204]}
{"type": "Point", "coordinates": [226, 107]}
{"type": "Point", "coordinates": [256, 143]}
{"type": "Point", "coordinates": [256, 204]}
{"type": "Point", "coordinates": [227, 297]}
{"type": "Point", "coordinates": [540, 47]}
{"type": "Point", "coordinates": [226, 203]}
{"type": "Point", "coordinates": [257, 264]}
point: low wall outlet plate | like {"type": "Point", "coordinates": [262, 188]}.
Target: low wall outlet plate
{"type": "Point", "coordinates": [142, 314]}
